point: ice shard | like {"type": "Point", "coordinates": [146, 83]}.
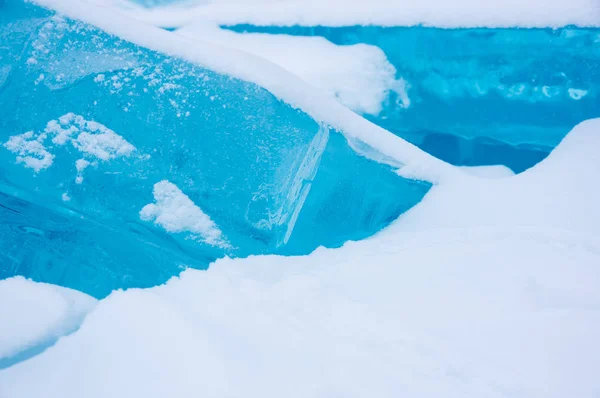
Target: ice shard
{"type": "Point", "coordinates": [121, 165]}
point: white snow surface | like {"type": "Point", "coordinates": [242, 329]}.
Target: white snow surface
{"type": "Point", "coordinates": [175, 212]}
{"type": "Point", "coordinates": [493, 171]}
{"type": "Point", "coordinates": [359, 76]}
{"type": "Point", "coordinates": [557, 194]}
{"type": "Point", "coordinates": [37, 313]}
{"type": "Point", "coordinates": [439, 13]}
{"type": "Point", "coordinates": [488, 288]}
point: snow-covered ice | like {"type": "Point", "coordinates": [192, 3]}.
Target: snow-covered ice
{"type": "Point", "coordinates": [267, 174]}
{"type": "Point", "coordinates": [461, 306]}
{"type": "Point", "coordinates": [439, 13]}
{"type": "Point", "coordinates": [444, 83]}
{"type": "Point", "coordinates": [175, 212]}
{"type": "Point", "coordinates": [375, 140]}
{"type": "Point", "coordinates": [30, 151]}
{"type": "Point", "coordinates": [359, 76]}
{"type": "Point", "coordinates": [93, 140]}
{"type": "Point", "coordinates": [487, 288]}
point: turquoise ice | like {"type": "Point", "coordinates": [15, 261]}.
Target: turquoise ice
{"type": "Point", "coordinates": [120, 166]}
{"type": "Point", "coordinates": [481, 96]}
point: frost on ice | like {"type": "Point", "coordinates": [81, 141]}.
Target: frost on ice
{"type": "Point", "coordinates": [30, 150]}
{"type": "Point", "coordinates": [89, 137]}
{"type": "Point", "coordinates": [94, 140]}
{"type": "Point", "coordinates": [175, 212]}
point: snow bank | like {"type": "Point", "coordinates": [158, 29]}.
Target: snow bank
{"type": "Point", "coordinates": [35, 314]}
{"type": "Point", "coordinates": [558, 193]}
{"type": "Point", "coordinates": [509, 308]}
{"type": "Point", "coordinates": [439, 13]}
{"type": "Point", "coordinates": [275, 79]}
{"type": "Point", "coordinates": [359, 76]}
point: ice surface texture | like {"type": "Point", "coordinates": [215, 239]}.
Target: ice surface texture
{"type": "Point", "coordinates": [480, 96]}
{"type": "Point", "coordinates": [109, 149]}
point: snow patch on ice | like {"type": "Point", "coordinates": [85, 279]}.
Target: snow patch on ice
{"type": "Point", "coordinates": [94, 140]}
{"type": "Point", "coordinates": [80, 165]}
{"type": "Point", "coordinates": [428, 308]}
{"type": "Point", "coordinates": [175, 212]}
{"type": "Point", "coordinates": [30, 150]}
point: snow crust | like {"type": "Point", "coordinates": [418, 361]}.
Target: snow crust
{"type": "Point", "coordinates": [30, 151]}
{"type": "Point", "coordinates": [492, 295]}
{"type": "Point", "coordinates": [36, 313]}
{"type": "Point", "coordinates": [359, 76]}
{"type": "Point", "coordinates": [175, 212]}
{"type": "Point", "coordinates": [444, 14]}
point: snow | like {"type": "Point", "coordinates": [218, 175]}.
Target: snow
{"type": "Point", "coordinates": [487, 288]}
{"type": "Point", "coordinates": [439, 13]}
{"type": "Point", "coordinates": [175, 212]}
{"type": "Point", "coordinates": [37, 313]}
{"type": "Point", "coordinates": [492, 295]}
{"type": "Point", "coordinates": [494, 171]}
{"type": "Point", "coordinates": [375, 140]}
{"type": "Point", "coordinates": [80, 165]}
{"type": "Point", "coordinates": [30, 150]}
{"type": "Point", "coordinates": [92, 139]}
{"type": "Point", "coordinates": [359, 76]}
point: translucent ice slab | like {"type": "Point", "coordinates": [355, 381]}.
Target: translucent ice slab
{"type": "Point", "coordinates": [121, 165]}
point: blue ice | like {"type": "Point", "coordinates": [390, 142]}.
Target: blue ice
{"type": "Point", "coordinates": [481, 96]}
{"type": "Point", "coordinates": [120, 166]}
